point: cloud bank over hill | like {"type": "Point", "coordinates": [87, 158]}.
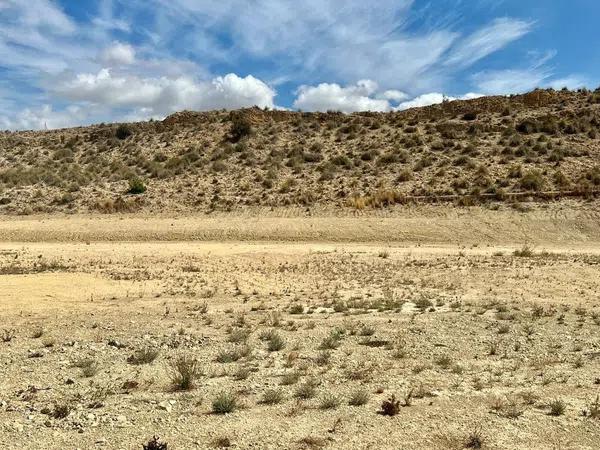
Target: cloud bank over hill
{"type": "Point", "coordinates": [113, 60]}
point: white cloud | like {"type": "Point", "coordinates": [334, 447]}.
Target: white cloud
{"type": "Point", "coordinates": [515, 81]}
{"type": "Point", "coordinates": [487, 40]}
{"type": "Point", "coordinates": [394, 95]}
{"type": "Point", "coordinates": [347, 99]}
{"type": "Point", "coordinates": [41, 13]}
{"type": "Point", "coordinates": [572, 82]}
{"type": "Point", "coordinates": [118, 53]}
{"type": "Point", "coordinates": [509, 81]}
{"type": "Point", "coordinates": [342, 39]}
{"type": "Point", "coordinates": [51, 58]}
{"type": "Point", "coordinates": [44, 117]}
{"type": "Point", "coordinates": [99, 96]}
{"type": "Point", "coordinates": [363, 96]}
{"type": "Point", "coordinates": [433, 98]}
{"type": "Point", "coordinates": [164, 95]}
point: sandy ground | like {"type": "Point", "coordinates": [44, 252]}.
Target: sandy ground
{"type": "Point", "coordinates": [429, 305]}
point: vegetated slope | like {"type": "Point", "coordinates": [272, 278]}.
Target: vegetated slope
{"type": "Point", "coordinates": [492, 147]}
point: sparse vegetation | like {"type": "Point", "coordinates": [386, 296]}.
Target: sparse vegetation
{"type": "Point", "coordinates": [144, 355]}
{"type": "Point", "coordinates": [557, 407]}
{"type": "Point", "coordinates": [307, 318]}
{"type": "Point", "coordinates": [185, 370]}
{"type": "Point", "coordinates": [536, 150]}
{"type": "Point", "coordinates": [136, 186]}
{"type": "Point", "coordinates": [272, 397]}
{"type": "Point", "coordinates": [224, 403]}
{"type": "Point", "coordinates": [359, 397]}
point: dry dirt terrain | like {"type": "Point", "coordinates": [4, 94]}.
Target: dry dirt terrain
{"type": "Point", "coordinates": [430, 327]}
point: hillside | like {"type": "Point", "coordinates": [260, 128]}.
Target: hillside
{"type": "Point", "coordinates": [534, 146]}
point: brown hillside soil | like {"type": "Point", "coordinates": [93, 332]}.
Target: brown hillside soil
{"type": "Point", "coordinates": [489, 149]}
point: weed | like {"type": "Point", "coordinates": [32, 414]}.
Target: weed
{"type": "Point", "coordinates": [144, 355]}
{"type": "Point", "coordinates": [136, 186]}
{"type": "Point", "coordinates": [8, 335]}
{"type": "Point", "coordinates": [524, 252]}
{"type": "Point", "coordinates": [37, 333]}
{"type": "Point", "coordinates": [475, 439]}
{"type": "Point", "coordinates": [359, 397]}
{"type": "Point", "coordinates": [272, 397]}
{"type": "Point", "coordinates": [329, 401]}
{"type": "Point", "coordinates": [61, 410]}
{"type": "Point", "coordinates": [306, 390]}
{"type": "Point", "coordinates": [224, 403]}
{"type": "Point", "coordinates": [275, 342]}
{"type": "Point", "coordinates": [557, 407]}
{"type": "Point", "coordinates": [290, 378]}
{"type": "Point", "coordinates": [296, 309]}
{"type": "Point", "coordinates": [185, 370]}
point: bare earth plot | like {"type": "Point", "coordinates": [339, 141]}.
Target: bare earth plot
{"type": "Point", "coordinates": [284, 331]}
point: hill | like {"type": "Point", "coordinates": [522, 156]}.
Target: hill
{"type": "Point", "coordinates": [539, 145]}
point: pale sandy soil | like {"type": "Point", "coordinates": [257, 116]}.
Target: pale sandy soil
{"type": "Point", "coordinates": [518, 332]}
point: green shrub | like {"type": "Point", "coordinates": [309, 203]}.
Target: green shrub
{"type": "Point", "coordinates": [144, 355]}
{"type": "Point", "coordinates": [136, 186]}
{"type": "Point", "coordinates": [557, 407]}
{"type": "Point", "coordinates": [532, 181]}
{"type": "Point", "coordinates": [240, 127]}
{"type": "Point", "coordinates": [123, 131]}
{"type": "Point", "coordinates": [272, 397]}
{"type": "Point", "coordinates": [359, 397]}
{"type": "Point", "coordinates": [185, 370]}
{"type": "Point", "coordinates": [224, 403]}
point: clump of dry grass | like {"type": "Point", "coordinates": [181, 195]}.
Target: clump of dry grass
{"type": "Point", "coordinates": [306, 390]}
{"type": "Point", "coordinates": [185, 370]}
{"type": "Point", "coordinates": [524, 252]}
{"type": "Point", "coordinates": [8, 335]}
{"type": "Point", "coordinates": [359, 397]}
{"type": "Point", "coordinates": [224, 403]}
{"type": "Point", "coordinates": [89, 366]}
{"type": "Point", "coordinates": [272, 397]}
{"type": "Point", "coordinates": [144, 355]}
{"type": "Point", "coordinates": [557, 407]}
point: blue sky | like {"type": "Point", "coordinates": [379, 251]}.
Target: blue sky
{"type": "Point", "coordinates": [72, 62]}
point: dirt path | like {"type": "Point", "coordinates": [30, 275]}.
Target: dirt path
{"type": "Point", "coordinates": [439, 225]}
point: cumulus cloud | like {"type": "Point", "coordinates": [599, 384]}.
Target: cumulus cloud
{"type": "Point", "coordinates": [433, 98]}
{"type": "Point", "coordinates": [164, 95]}
{"type": "Point", "coordinates": [363, 96]}
{"type": "Point", "coordinates": [118, 54]}
{"type": "Point", "coordinates": [53, 60]}
{"type": "Point", "coordinates": [326, 96]}
{"type": "Point", "coordinates": [394, 95]}
{"type": "Point", "coordinates": [44, 117]}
